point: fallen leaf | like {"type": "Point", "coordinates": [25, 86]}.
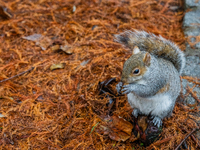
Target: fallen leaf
{"type": "Point", "coordinates": [145, 130]}
{"type": "Point", "coordinates": [116, 128]}
{"type": "Point", "coordinates": [122, 124]}
{"type": "Point", "coordinates": [118, 135]}
{"type": "Point", "coordinates": [44, 42]}
{"type": "Point", "coordinates": [142, 122]}
{"type": "Point", "coordinates": [85, 62]}
{"type": "Point", "coordinates": [40, 40]}
{"type": "Point", "coordinates": [67, 49]}
{"type": "Point", "coordinates": [33, 37]}
{"type": "Point", "coordinates": [55, 47]}
{"type": "Point", "coordinates": [57, 66]}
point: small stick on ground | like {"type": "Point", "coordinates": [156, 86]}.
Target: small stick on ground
{"type": "Point", "coordinates": [186, 138]}
{"type": "Point", "coordinates": [17, 75]}
{"type": "Point", "coordinates": [194, 139]}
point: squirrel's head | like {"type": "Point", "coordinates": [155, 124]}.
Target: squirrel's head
{"type": "Point", "coordinates": [136, 66]}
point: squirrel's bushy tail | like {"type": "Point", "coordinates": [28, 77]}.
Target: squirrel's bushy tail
{"type": "Point", "coordinates": [155, 45]}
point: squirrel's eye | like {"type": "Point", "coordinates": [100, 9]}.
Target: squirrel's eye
{"type": "Point", "coordinates": [136, 71]}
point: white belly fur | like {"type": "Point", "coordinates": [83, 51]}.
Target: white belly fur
{"type": "Point", "coordinates": [154, 105]}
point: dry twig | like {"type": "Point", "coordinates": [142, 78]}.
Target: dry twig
{"type": "Point", "coordinates": [17, 75]}
{"type": "Point", "coordinates": [186, 138]}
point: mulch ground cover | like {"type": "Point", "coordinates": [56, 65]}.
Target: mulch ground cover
{"type": "Point", "coordinates": [53, 57]}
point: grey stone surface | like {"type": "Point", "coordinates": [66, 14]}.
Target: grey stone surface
{"type": "Point", "coordinates": [192, 67]}
{"type": "Point", "coordinates": [197, 90]}
{"type": "Point", "coordinates": [191, 27]}
{"type": "Point", "coordinates": [192, 3]}
{"type": "Point", "coordinates": [189, 99]}
{"type": "Point", "coordinates": [197, 45]}
{"type": "Point", "coordinates": [191, 18]}
{"type": "Point", "coordinates": [193, 31]}
{"type": "Point", "coordinates": [184, 84]}
{"type": "Point", "coordinates": [191, 52]}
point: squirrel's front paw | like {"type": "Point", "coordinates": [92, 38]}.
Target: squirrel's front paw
{"type": "Point", "coordinates": [157, 122]}
{"type": "Point", "coordinates": [119, 87]}
{"type": "Point", "coordinates": [127, 89]}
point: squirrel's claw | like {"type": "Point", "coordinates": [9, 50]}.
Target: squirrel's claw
{"type": "Point", "coordinates": [126, 89]}
{"type": "Point", "coordinates": [157, 122]}
{"type": "Point", "coordinates": [135, 112]}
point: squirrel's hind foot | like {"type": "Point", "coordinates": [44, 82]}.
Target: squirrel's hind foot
{"type": "Point", "coordinates": [136, 112]}
{"type": "Point", "coordinates": [157, 121]}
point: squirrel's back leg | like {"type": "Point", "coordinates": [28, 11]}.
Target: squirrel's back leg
{"type": "Point", "coordinates": [157, 121]}
{"type": "Point", "coordinates": [136, 112]}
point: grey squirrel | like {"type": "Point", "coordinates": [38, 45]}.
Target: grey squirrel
{"type": "Point", "coordinates": [150, 77]}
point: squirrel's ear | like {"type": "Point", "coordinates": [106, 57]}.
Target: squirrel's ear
{"type": "Point", "coordinates": [135, 50]}
{"type": "Point", "coordinates": [147, 59]}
